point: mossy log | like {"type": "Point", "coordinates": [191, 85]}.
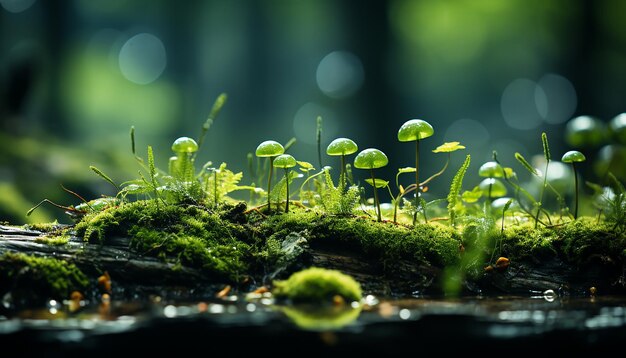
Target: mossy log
{"type": "Point", "coordinates": [134, 275]}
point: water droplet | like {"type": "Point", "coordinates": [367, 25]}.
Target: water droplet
{"type": "Point", "coordinates": [404, 313]}
{"type": "Point", "coordinates": [216, 308]}
{"type": "Point", "coordinates": [549, 295]}
{"type": "Point", "coordinates": [170, 311]}
{"type": "Point", "coordinates": [250, 307]}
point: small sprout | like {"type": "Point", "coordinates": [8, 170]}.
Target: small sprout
{"type": "Point", "coordinates": [415, 130]}
{"type": "Point", "coordinates": [342, 147]}
{"type": "Point", "coordinates": [574, 156]}
{"type": "Point", "coordinates": [269, 149]}
{"type": "Point", "coordinates": [371, 159]}
{"type": "Point", "coordinates": [285, 161]}
{"type": "Point", "coordinates": [493, 187]}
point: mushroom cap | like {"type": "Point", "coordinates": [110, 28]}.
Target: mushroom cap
{"type": "Point", "coordinates": [497, 187]}
{"type": "Point", "coordinates": [415, 129]}
{"type": "Point", "coordinates": [284, 161]}
{"type": "Point", "coordinates": [491, 170]}
{"type": "Point", "coordinates": [370, 158]}
{"type": "Point", "coordinates": [269, 148]}
{"type": "Point", "coordinates": [341, 146]}
{"type": "Point", "coordinates": [618, 127]}
{"type": "Point", "coordinates": [184, 145]}
{"type": "Point", "coordinates": [584, 131]}
{"type": "Point", "coordinates": [498, 204]}
{"type": "Point", "coordinates": [573, 156]}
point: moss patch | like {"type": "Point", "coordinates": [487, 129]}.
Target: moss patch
{"type": "Point", "coordinates": [387, 242]}
{"type": "Point", "coordinates": [318, 285]}
{"type": "Point", "coordinates": [190, 235]}
{"type": "Point", "coordinates": [38, 278]}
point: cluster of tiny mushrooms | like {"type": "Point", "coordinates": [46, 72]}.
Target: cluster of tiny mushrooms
{"type": "Point", "coordinates": [413, 130]}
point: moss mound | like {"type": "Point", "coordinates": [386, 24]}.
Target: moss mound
{"type": "Point", "coordinates": [48, 278]}
{"type": "Point", "coordinates": [318, 285]}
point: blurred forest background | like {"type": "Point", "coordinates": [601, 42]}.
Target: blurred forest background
{"type": "Point", "coordinates": [75, 75]}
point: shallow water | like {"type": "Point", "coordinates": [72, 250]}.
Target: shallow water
{"type": "Point", "coordinates": [536, 323]}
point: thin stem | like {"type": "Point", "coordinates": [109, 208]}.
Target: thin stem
{"type": "Point", "coordinates": [543, 187]}
{"type": "Point", "coordinates": [287, 185]}
{"type": "Point", "coordinates": [269, 185]}
{"type": "Point", "coordinates": [215, 186]}
{"type": "Point", "coordinates": [575, 192]}
{"type": "Point", "coordinates": [417, 178]}
{"type": "Point", "coordinates": [342, 175]}
{"type": "Point", "coordinates": [375, 195]}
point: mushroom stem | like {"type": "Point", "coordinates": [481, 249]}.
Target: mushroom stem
{"type": "Point", "coordinates": [269, 185]}
{"type": "Point", "coordinates": [375, 195]}
{"type": "Point", "coordinates": [287, 185]}
{"type": "Point", "coordinates": [343, 173]}
{"type": "Point", "coordinates": [417, 179]}
{"type": "Point", "coordinates": [575, 191]}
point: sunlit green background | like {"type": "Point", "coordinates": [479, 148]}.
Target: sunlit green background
{"type": "Point", "coordinates": [76, 75]}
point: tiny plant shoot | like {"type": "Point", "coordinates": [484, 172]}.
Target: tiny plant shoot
{"type": "Point", "coordinates": [269, 149]}
{"type": "Point", "coordinates": [415, 130]}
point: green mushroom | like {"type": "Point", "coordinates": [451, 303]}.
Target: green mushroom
{"type": "Point", "coordinates": [182, 166]}
{"type": "Point", "coordinates": [584, 131]}
{"type": "Point", "coordinates": [494, 187]}
{"type": "Point", "coordinates": [415, 130]}
{"type": "Point", "coordinates": [342, 147]}
{"type": "Point", "coordinates": [574, 156]}
{"type": "Point", "coordinates": [285, 161]}
{"type": "Point", "coordinates": [491, 170]}
{"type": "Point", "coordinates": [269, 149]}
{"type": "Point", "coordinates": [618, 127]}
{"type": "Point", "coordinates": [372, 158]}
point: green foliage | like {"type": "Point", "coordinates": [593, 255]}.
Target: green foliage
{"type": "Point", "coordinates": [455, 189]}
{"type": "Point", "coordinates": [335, 200]}
{"type": "Point", "coordinates": [318, 285]}
{"type": "Point", "coordinates": [613, 203]}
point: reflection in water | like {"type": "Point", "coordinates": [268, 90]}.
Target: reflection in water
{"type": "Point", "coordinates": [321, 318]}
{"type": "Point", "coordinates": [477, 319]}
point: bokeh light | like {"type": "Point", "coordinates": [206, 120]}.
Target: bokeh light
{"type": "Point", "coordinates": [305, 122]}
{"type": "Point", "coordinates": [558, 98]}
{"type": "Point", "coordinates": [519, 104]}
{"type": "Point", "coordinates": [16, 6]}
{"type": "Point", "coordinates": [339, 74]}
{"type": "Point", "coordinates": [143, 58]}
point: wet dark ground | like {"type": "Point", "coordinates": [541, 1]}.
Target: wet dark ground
{"type": "Point", "coordinates": [536, 324]}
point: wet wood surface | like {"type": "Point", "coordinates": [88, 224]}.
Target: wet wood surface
{"type": "Point", "coordinates": [132, 270]}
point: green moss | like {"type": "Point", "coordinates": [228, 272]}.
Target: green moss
{"type": "Point", "coordinates": [53, 240]}
{"type": "Point", "coordinates": [43, 227]}
{"type": "Point", "coordinates": [318, 285]}
{"type": "Point", "coordinates": [387, 242]}
{"type": "Point", "coordinates": [585, 238]}
{"type": "Point", "coordinates": [193, 236]}
{"type": "Point", "coordinates": [524, 241]}
{"type": "Point", "coordinates": [33, 277]}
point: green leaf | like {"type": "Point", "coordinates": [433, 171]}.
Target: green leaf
{"type": "Point", "coordinates": [103, 176]}
{"type": "Point", "coordinates": [305, 166]}
{"type": "Point", "coordinates": [455, 188]}
{"type": "Point", "coordinates": [379, 182]}
{"type": "Point", "coordinates": [449, 147]}
{"type": "Point", "coordinates": [406, 170]}
{"type": "Point", "coordinates": [472, 196]}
